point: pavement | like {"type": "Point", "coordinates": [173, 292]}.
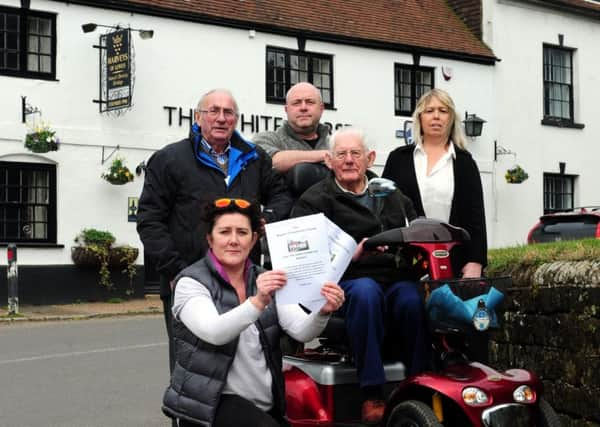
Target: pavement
{"type": "Point", "coordinates": [150, 304]}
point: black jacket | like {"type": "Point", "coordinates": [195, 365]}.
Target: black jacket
{"type": "Point", "coordinates": [180, 179]}
{"type": "Point", "coordinates": [393, 211]}
{"type": "Point", "coordinates": [201, 369]}
{"type": "Point", "coordinates": [467, 210]}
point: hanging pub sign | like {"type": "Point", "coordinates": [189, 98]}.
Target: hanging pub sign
{"type": "Point", "coordinates": [115, 71]}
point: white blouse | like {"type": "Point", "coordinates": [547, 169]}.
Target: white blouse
{"type": "Point", "coordinates": [437, 188]}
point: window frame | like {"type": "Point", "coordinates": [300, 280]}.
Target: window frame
{"type": "Point", "coordinates": [547, 118]}
{"type": "Point", "coordinates": [310, 56]}
{"type": "Point", "coordinates": [413, 69]}
{"type": "Point", "coordinates": [51, 214]}
{"type": "Point", "coordinates": [554, 195]}
{"type": "Point", "coordinates": [24, 48]}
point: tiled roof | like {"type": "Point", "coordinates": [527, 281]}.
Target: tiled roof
{"type": "Point", "coordinates": [422, 26]}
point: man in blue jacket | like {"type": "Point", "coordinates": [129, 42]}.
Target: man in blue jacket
{"type": "Point", "coordinates": [214, 161]}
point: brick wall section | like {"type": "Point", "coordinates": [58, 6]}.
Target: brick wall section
{"type": "Point", "coordinates": [470, 12]}
{"type": "Point", "coordinates": [552, 326]}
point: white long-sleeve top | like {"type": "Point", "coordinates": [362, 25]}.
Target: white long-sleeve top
{"type": "Point", "coordinates": [249, 375]}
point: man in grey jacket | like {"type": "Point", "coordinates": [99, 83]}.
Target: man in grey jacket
{"type": "Point", "coordinates": [302, 138]}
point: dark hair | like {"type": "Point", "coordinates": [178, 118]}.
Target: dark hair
{"type": "Point", "coordinates": [212, 212]}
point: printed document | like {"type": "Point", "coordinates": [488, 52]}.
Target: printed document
{"type": "Point", "coordinates": [311, 250]}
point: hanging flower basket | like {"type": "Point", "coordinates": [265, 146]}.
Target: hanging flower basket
{"type": "Point", "coordinates": [516, 175]}
{"type": "Point", "coordinates": [41, 139]}
{"type": "Point", "coordinates": [118, 173]}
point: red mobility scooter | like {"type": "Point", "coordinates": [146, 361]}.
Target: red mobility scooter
{"type": "Point", "coordinates": [322, 386]}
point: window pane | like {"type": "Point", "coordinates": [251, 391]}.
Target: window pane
{"type": "Point", "coordinates": [12, 23]}
{"type": "Point", "coordinates": [45, 64]}
{"type": "Point", "coordinates": [326, 66]}
{"type": "Point", "coordinates": [325, 82]}
{"type": "Point", "coordinates": [405, 104]}
{"type": "Point", "coordinates": [12, 41]}
{"type": "Point", "coordinates": [32, 63]}
{"type": "Point", "coordinates": [317, 80]}
{"type": "Point", "coordinates": [33, 44]}
{"type": "Point", "coordinates": [326, 96]}
{"type": "Point", "coordinates": [45, 45]}
{"type": "Point", "coordinates": [303, 76]}
{"type": "Point", "coordinates": [316, 65]}
{"type": "Point", "coordinates": [303, 63]}
{"type": "Point", "coordinates": [294, 77]}
{"type": "Point", "coordinates": [44, 27]}
{"type": "Point", "coordinates": [280, 60]}
{"type": "Point", "coordinates": [294, 62]}
{"type": "Point", "coordinates": [33, 25]}
{"type": "Point", "coordinates": [12, 61]}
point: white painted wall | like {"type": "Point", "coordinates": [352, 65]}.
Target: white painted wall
{"type": "Point", "coordinates": [181, 62]}
{"type": "Point", "coordinates": [516, 33]}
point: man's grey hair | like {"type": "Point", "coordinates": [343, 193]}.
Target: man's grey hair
{"type": "Point", "coordinates": [210, 92]}
{"type": "Point", "coordinates": [349, 130]}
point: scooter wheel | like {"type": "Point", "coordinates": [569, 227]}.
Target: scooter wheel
{"type": "Point", "coordinates": [413, 413]}
{"type": "Point", "coordinates": [546, 416]}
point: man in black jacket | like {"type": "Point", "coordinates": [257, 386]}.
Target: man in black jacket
{"type": "Point", "coordinates": [215, 161]}
{"type": "Point", "coordinates": [380, 300]}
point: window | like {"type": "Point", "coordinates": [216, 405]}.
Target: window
{"type": "Point", "coordinates": [27, 202]}
{"type": "Point", "coordinates": [286, 67]}
{"type": "Point", "coordinates": [27, 43]}
{"type": "Point", "coordinates": [558, 83]}
{"type": "Point", "coordinates": [558, 192]}
{"type": "Point", "coordinates": [410, 82]}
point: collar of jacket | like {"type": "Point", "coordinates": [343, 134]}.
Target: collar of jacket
{"type": "Point", "coordinates": [241, 153]}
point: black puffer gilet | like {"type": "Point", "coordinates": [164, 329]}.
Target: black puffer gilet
{"type": "Point", "coordinates": [201, 369]}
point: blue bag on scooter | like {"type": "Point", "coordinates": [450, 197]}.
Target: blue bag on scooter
{"type": "Point", "coordinates": [444, 305]}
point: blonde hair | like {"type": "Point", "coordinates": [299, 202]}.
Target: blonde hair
{"type": "Point", "coordinates": [456, 133]}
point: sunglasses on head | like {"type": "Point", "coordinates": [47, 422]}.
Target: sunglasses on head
{"type": "Point", "coordinates": [225, 202]}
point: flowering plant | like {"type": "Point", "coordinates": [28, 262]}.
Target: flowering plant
{"type": "Point", "coordinates": [516, 175]}
{"type": "Point", "coordinates": [118, 173]}
{"type": "Point", "coordinates": [41, 139]}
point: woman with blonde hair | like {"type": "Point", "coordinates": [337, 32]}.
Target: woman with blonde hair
{"type": "Point", "coordinates": [441, 177]}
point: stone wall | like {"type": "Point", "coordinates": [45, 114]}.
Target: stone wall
{"type": "Point", "coordinates": [552, 326]}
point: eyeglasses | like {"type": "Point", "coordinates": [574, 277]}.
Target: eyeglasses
{"type": "Point", "coordinates": [225, 202]}
{"type": "Point", "coordinates": [341, 155]}
{"type": "Point", "coordinates": [215, 112]}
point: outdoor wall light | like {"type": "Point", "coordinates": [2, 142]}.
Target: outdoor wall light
{"type": "Point", "coordinates": [473, 124]}
{"type": "Point", "coordinates": [144, 34]}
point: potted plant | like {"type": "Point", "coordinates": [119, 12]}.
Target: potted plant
{"type": "Point", "coordinates": [516, 175]}
{"type": "Point", "coordinates": [41, 139]}
{"type": "Point", "coordinates": [118, 173]}
{"type": "Point", "coordinates": [95, 249]}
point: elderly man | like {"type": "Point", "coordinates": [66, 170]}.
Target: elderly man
{"type": "Point", "coordinates": [380, 302]}
{"type": "Point", "coordinates": [215, 161]}
{"type": "Point", "coordinates": [301, 139]}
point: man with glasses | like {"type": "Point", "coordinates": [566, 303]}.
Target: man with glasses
{"type": "Point", "coordinates": [214, 161]}
{"type": "Point", "coordinates": [380, 301]}
{"type": "Point", "coordinates": [301, 139]}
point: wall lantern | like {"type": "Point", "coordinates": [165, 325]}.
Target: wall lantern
{"type": "Point", "coordinates": [473, 124]}
{"type": "Point", "coordinates": [144, 34]}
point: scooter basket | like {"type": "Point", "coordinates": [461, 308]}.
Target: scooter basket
{"type": "Point", "coordinates": [452, 304]}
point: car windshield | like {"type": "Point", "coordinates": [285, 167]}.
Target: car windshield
{"type": "Point", "coordinates": [565, 228]}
